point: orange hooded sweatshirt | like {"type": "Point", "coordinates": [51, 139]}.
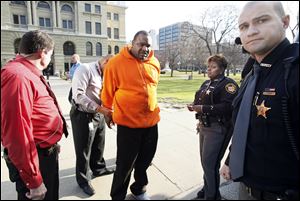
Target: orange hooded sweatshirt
{"type": "Point", "coordinates": [130, 89]}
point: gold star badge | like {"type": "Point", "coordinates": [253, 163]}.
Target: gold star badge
{"type": "Point", "coordinates": [262, 109]}
{"type": "Point", "coordinates": [208, 92]}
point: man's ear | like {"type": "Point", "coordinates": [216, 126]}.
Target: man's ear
{"type": "Point", "coordinates": [286, 21]}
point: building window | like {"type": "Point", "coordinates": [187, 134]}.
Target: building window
{"type": "Point", "coordinates": [98, 28]}
{"type": "Point", "coordinates": [109, 49]}
{"type": "Point", "coordinates": [89, 49]}
{"type": "Point", "coordinates": [47, 20]}
{"type": "Point", "coordinates": [87, 7]}
{"type": "Point", "coordinates": [44, 22]}
{"type": "Point", "coordinates": [109, 32]}
{"type": "Point", "coordinates": [98, 49]}
{"type": "Point", "coordinates": [116, 49]}
{"type": "Point", "coordinates": [43, 4]}
{"type": "Point", "coordinates": [116, 33]}
{"type": "Point", "coordinates": [70, 24]}
{"type": "Point", "coordinates": [97, 9]}
{"type": "Point", "coordinates": [88, 27]}
{"type": "Point", "coordinates": [19, 19]}
{"type": "Point", "coordinates": [23, 19]}
{"type": "Point", "coordinates": [116, 16]}
{"type": "Point", "coordinates": [68, 48]}
{"type": "Point", "coordinates": [109, 16]}
{"type": "Point", "coordinates": [18, 3]}
{"type": "Point", "coordinates": [41, 22]}
{"type": "Point", "coordinates": [67, 24]}
{"type": "Point", "coordinates": [67, 8]}
{"type": "Point", "coordinates": [16, 19]}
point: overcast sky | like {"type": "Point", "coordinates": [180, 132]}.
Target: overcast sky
{"type": "Point", "coordinates": [146, 15]}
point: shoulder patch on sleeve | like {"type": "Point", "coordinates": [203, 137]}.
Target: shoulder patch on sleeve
{"type": "Point", "coordinates": [230, 88]}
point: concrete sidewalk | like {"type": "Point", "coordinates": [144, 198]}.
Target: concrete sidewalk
{"type": "Point", "coordinates": [176, 171]}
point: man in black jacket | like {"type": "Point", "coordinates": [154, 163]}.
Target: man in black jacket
{"type": "Point", "coordinates": [264, 154]}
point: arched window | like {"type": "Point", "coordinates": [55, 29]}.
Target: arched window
{"type": "Point", "coordinates": [43, 4]}
{"type": "Point", "coordinates": [69, 48]}
{"type": "Point", "coordinates": [116, 49]}
{"type": "Point", "coordinates": [98, 49]}
{"type": "Point", "coordinates": [67, 8]}
{"type": "Point", "coordinates": [89, 49]}
{"type": "Point", "coordinates": [18, 3]}
{"type": "Point", "coordinates": [109, 49]}
{"type": "Point", "coordinates": [16, 45]}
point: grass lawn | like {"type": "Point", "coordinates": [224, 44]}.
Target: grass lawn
{"type": "Point", "coordinates": [178, 89]}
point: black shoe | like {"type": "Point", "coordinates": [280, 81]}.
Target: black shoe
{"type": "Point", "coordinates": [88, 189]}
{"type": "Point", "coordinates": [103, 172]}
{"type": "Point", "coordinates": [201, 194]}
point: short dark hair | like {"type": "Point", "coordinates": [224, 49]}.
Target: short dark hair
{"type": "Point", "coordinates": [33, 41]}
{"type": "Point", "coordinates": [219, 59]}
{"type": "Point", "coordinates": [142, 32]}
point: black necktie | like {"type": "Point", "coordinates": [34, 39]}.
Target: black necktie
{"type": "Point", "coordinates": [239, 137]}
{"type": "Point", "coordinates": [65, 130]}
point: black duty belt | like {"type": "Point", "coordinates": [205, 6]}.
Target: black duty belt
{"type": "Point", "coordinates": [206, 120]}
{"type": "Point", "coordinates": [214, 119]}
{"type": "Point", "coordinates": [48, 150]}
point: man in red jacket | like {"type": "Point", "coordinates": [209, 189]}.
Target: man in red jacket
{"type": "Point", "coordinates": [31, 120]}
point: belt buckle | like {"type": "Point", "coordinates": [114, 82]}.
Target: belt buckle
{"type": "Point", "coordinates": [52, 149]}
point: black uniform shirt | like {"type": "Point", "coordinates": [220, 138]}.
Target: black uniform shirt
{"type": "Point", "coordinates": [270, 163]}
{"type": "Point", "coordinates": [216, 96]}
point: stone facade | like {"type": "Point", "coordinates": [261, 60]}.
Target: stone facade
{"type": "Point", "coordinates": [67, 23]}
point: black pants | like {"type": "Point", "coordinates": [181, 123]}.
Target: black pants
{"type": "Point", "coordinates": [89, 143]}
{"type": "Point", "coordinates": [213, 143]}
{"type": "Point", "coordinates": [48, 162]}
{"type": "Point", "coordinates": [136, 148]}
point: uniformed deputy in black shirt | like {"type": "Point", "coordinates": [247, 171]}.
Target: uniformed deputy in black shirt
{"type": "Point", "coordinates": [270, 160]}
{"type": "Point", "coordinates": [213, 106]}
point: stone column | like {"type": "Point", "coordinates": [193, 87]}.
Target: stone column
{"type": "Point", "coordinates": [58, 14]}
{"type": "Point", "coordinates": [29, 16]}
{"type": "Point", "coordinates": [76, 21]}
{"type": "Point", "coordinates": [54, 24]}
{"type": "Point", "coordinates": [35, 22]}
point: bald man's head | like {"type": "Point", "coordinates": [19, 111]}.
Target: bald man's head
{"type": "Point", "coordinates": [75, 58]}
{"type": "Point", "coordinates": [262, 26]}
{"type": "Point", "coordinates": [277, 6]}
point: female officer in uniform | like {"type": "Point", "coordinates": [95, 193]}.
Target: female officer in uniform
{"type": "Point", "coordinates": [212, 105]}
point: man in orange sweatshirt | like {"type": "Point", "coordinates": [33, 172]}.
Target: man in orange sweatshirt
{"type": "Point", "coordinates": [130, 90]}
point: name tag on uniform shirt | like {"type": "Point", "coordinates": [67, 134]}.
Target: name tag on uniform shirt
{"type": "Point", "coordinates": [269, 92]}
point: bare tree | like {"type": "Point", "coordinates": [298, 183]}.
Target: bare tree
{"type": "Point", "coordinates": [170, 55]}
{"type": "Point", "coordinates": [234, 56]}
{"type": "Point", "coordinates": [294, 23]}
{"type": "Point", "coordinates": [217, 24]}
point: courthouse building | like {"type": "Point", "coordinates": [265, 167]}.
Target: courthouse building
{"type": "Point", "coordinates": [89, 28]}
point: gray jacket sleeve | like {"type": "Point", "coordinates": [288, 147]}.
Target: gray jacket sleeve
{"type": "Point", "coordinates": [80, 84]}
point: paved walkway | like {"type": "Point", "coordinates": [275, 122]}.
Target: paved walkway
{"type": "Point", "coordinates": [175, 174]}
